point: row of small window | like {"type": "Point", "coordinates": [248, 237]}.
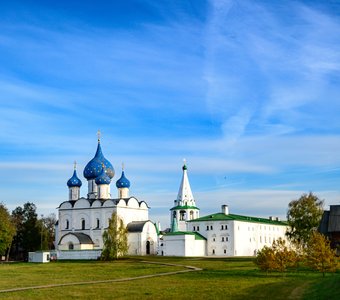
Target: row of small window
{"type": "Point", "coordinates": [82, 224]}
{"type": "Point", "coordinates": [223, 227]}
{"type": "Point", "coordinates": [265, 239]}
{"type": "Point", "coordinates": [223, 239]}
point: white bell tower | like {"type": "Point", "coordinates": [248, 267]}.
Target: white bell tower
{"type": "Point", "coordinates": [184, 206]}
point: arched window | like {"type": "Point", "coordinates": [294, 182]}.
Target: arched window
{"type": "Point", "coordinates": [174, 215]}
{"type": "Point", "coordinates": [182, 216]}
{"type": "Point", "coordinates": [82, 224]}
{"type": "Point", "coordinates": [191, 215]}
{"type": "Point", "coordinates": [70, 246]}
{"type": "Point", "coordinates": [98, 223]}
{"type": "Point", "coordinates": [67, 226]}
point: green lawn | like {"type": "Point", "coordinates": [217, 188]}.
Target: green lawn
{"type": "Point", "coordinates": [234, 278]}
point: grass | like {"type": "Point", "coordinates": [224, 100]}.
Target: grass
{"type": "Point", "coordinates": [237, 278]}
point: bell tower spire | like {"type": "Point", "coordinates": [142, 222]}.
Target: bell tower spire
{"type": "Point", "coordinates": [184, 206]}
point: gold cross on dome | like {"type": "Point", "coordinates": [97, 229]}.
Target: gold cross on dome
{"type": "Point", "coordinates": [98, 135]}
{"type": "Point", "coordinates": [75, 165]}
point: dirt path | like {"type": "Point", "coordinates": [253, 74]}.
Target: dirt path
{"type": "Point", "coordinates": [298, 291]}
{"type": "Point", "coordinates": [187, 269]}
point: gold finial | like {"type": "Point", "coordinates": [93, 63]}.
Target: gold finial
{"type": "Point", "coordinates": [123, 166]}
{"type": "Point", "coordinates": [98, 135]}
{"type": "Point", "coordinates": [75, 165]}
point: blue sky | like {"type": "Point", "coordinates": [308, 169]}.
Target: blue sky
{"type": "Point", "coordinates": [247, 91]}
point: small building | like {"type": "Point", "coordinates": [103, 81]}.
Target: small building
{"type": "Point", "coordinates": [39, 256]}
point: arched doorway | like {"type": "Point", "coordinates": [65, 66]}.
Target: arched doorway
{"type": "Point", "coordinates": [148, 245]}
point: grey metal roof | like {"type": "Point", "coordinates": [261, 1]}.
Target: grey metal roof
{"type": "Point", "coordinates": [330, 221]}
{"type": "Point", "coordinates": [136, 226]}
{"type": "Point", "coordinates": [82, 237]}
{"type": "Point", "coordinates": [323, 227]}
{"type": "Point", "coordinates": [334, 218]}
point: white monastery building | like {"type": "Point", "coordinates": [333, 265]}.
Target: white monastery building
{"type": "Point", "coordinates": [82, 221]}
{"type": "Point", "coordinates": [219, 234]}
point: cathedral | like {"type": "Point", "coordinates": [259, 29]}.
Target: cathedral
{"type": "Point", "coordinates": [82, 221]}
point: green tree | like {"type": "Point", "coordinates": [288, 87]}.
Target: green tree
{"type": "Point", "coordinates": [115, 239]}
{"type": "Point", "coordinates": [28, 231]}
{"type": "Point", "coordinates": [7, 231]}
{"type": "Point", "coordinates": [47, 226]}
{"type": "Point", "coordinates": [303, 216]}
{"type": "Point", "coordinates": [319, 254]}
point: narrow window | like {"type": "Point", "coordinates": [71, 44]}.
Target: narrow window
{"type": "Point", "coordinates": [226, 239]}
{"type": "Point", "coordinates": [213, 252]}
{"type": "Point", "coordinates": [207, 227]}
{"type": "Point", "coordinates": [211, 227]}
{"type": "Point", "coordinates": [82, 224]}
{"type": "Point", "coordinates": [194, 228]}
{"type": "Point", "coordinates": [222, 239]}
{"type": "Point", "coordinates": [222, 227]}
{"type": "Point", "coordinates": [98, 223]}
{"type": "Point", "coordinates": [225, 251]}
{"type": "Point", "coordinates": [198, 228]}
{"type": "Point", "coordinates": [226, 227]}
{"type": "Point", "coordinates": [67, 224]}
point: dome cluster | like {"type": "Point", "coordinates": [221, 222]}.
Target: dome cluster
{"type": "Point", "coordinates": [100, 170]}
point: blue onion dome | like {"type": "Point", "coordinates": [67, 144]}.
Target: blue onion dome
{"type": "Point", "coordinates": [74, 180]}
{"type": "Point", "coordinates": [94, 166]}
{"type": "Point", "coordinates": [123, 182]}
{"type": "Point", "coordinates": [103, 177]}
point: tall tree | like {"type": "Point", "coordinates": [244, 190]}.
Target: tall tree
{"type": "Point", "coordinates": [115, 239]}
{"type": "Point", "coordinates": [7, 230]}
{"type": "Point", "coordinates": [28, 231]}
{"type": "Point", "coordinates": [319, 254]}
{"type": "Point", "coordinates": [304, 216]}
{"type": "Point", "coordinates": [48, 231]}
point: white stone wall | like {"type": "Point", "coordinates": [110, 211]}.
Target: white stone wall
{"type": "Point", "coordinates": [80, 254]}
{"type": "Point", "coordinates": [182, 245]}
